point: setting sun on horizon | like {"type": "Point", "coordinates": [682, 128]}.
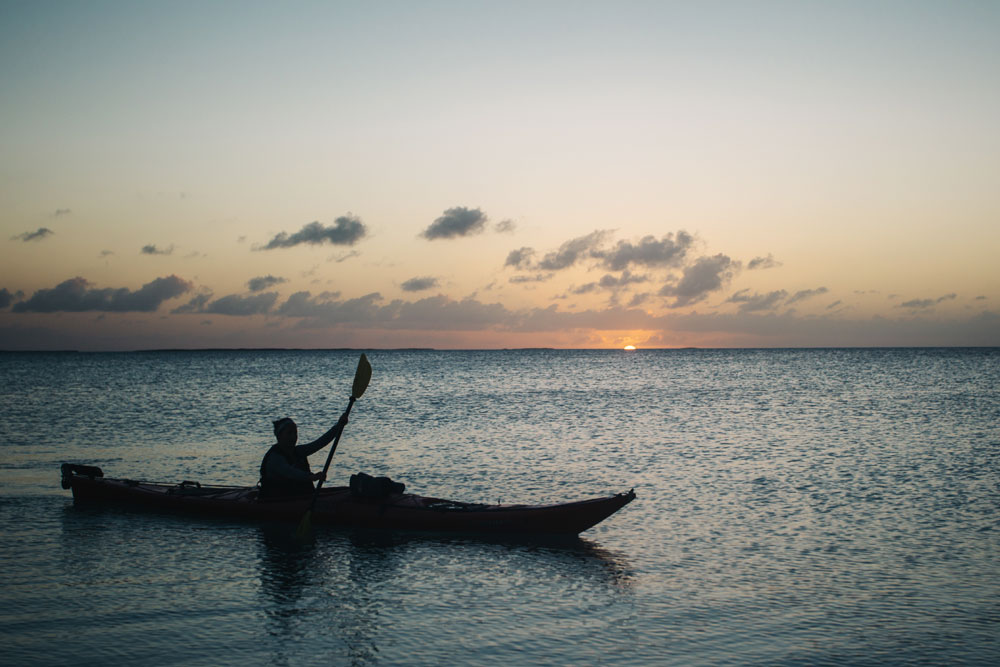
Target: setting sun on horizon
{"type": "Point", "coordinates": [456, 176]}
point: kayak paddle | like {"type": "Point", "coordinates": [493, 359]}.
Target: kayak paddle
{"type": "Point", "coordinates": [361, 378]}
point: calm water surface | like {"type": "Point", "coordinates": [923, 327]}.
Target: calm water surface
{"type": "Point", "coordinates": [794, 507]}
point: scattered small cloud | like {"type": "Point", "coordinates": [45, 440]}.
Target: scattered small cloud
{"type": "Point", "coordinates": [768, 262]}
{"type": "Point", "coordinates": [264, 282]}
{"type": "Point", "coordinates": [639, 299]}
{"type": "Point", "coordinates": [705, 275]}
{"type": "Point", "coordinates": [626, 278]}
{"type": "Point", "coordinates": [419, 284]}
{"type": "Point", "coordinates": [520, 258]}
{"type": "Point", "coordinates": [60, 212]}
{"type": "Point", "coordinates": [536, 278]}
{"type": "Point", "coordinates": [153, 250]}
{"type": "Point", "coordinates": [37, 235]}
{"type": "Point", "coordinates": [77, 295]}
{"type": "Point", "coordinates": [834, 304]}
{"type": "Point", "coordinates": [923, 304]}
{"type": "Point", "coordinates": [570, 252]}
{"type": "Point", "coordinates": [807, 293]}
{"type": "Point", "coordinates": [456, 222]}
{"type": "Point", "coordinates": [749, 303]}
{"type": "Point", "coordinates": [107, 253]}
{"type": "Point", "coordinates": [505, 227]}
{"type": "Point", "coordinates": [611, 282]}
{"type": "Point", "coordinates": [980, 298]}
{"type": "Point", "coordinates": [344, 256]}
{"type": "Point", "coordinates": [670, 251]}
{"type": "Point", "coordinates": [345, 230]}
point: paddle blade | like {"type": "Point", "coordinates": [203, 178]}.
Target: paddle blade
{"type": "Point", "coordinates": [361, 377]}
{"type": "Point", "coordinates": [304, 530]}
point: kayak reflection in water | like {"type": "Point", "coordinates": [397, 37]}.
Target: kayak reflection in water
{"type": "Point", "coordinates": [284, 470]}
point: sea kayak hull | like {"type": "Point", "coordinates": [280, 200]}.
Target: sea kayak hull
{"type": "Point", "coordinates": [337, 506]}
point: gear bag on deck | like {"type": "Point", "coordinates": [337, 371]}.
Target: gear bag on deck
{"type": "Point", "coordinates": [366, 486]}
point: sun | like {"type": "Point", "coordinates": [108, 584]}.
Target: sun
{"type": "Point", "coordinates": [629, 347]}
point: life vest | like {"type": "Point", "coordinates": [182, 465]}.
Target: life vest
{"type": "Point", "coordinates": [279, 487]}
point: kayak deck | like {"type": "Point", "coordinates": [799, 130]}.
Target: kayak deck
{"type": "Point", "coordinates": [340, 507]}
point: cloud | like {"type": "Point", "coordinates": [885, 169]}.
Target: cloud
{"type": "Point", "coordinates": [613, 318]}
{"type": "Point", "coordinates": [505, 227]}
{"type": "Point", "coordinates": [520, 258]}
{"type": "Point", "coordinates": [263, 282]}
{"type": "Point", "coordinates": [443, 313]}
{"type": "Point", "coordinates": [458, 221]}
{"type": "Point", "coordinates": [77, 295]}
{"type": "Point", "coordinates": [38, 235]}
{"type": "Point", "coordinates": [153, 250]}
{"type": "Point", "coordinates": [923, 304]}
{"type": "Point", "coordinates": [789, 330]}
{"type": "Point", "coordinates": [232, 304]}
{"type": "Point", "coordinates": [707, 274]}
{"type": "Point", "coordinates": [572, 251]}
{"type": "Point", "coordinates": [61, 212]}
{"type": "Point", "coordinates": [437, 313]}
{"type": "Point", "coordinates": [670, 251]}
{"type": "Point", "coordinates": [609, 281]}
{"type": "Point", "coordinates": [807, 293]}
{"type": "Point", "coordinates": [344, 257]}
{"type": "Point", "coordinates": [639, 299]}
{"type": "Point", "coordinates": [195, 305]}
{"type": "Point", "coordinates": [763, 263]}
{"type": "Point", "coordinates": [419, 284]}
{"type": "Point", "coordinates": [834, 304]}
{"type": "Point", "coordinates": [346, 230]}
{"type": "Point", "coordinates": [325, 310]}
{"type": "Point", "coordinates": [536, 278]}
{"type": "Point", "coordinates": [757, 302]}
{"type": "Point", "coordinates": [7, 297]}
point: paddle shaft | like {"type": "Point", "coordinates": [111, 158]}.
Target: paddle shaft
{"type": "Point", "coordinates": [329, 458]}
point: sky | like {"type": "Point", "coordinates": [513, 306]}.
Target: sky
{"type": "Point", "coordinates": [479, 175]}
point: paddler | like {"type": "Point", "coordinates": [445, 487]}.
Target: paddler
{"type": "Point", "coordinates": [284, 470]}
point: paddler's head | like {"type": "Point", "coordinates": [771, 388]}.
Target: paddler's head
{"type": "Point", "coordinates": [286, 431]}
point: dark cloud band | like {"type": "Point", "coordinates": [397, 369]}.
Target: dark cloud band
{"type": "Point", "coordinates": [77, 295]}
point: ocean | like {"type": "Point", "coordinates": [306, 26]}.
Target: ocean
{"type": "Point", "coordinates": [794, 507]}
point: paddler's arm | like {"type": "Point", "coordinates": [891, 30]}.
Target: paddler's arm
{"type": "Point", "coordinates": [325, 439]}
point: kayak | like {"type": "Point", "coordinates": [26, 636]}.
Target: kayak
{"type": "Point", "coordinates": [340, 506]}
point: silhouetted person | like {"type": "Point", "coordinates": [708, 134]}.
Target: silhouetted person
{"type": "Point", "coordinates": [284, 470]}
